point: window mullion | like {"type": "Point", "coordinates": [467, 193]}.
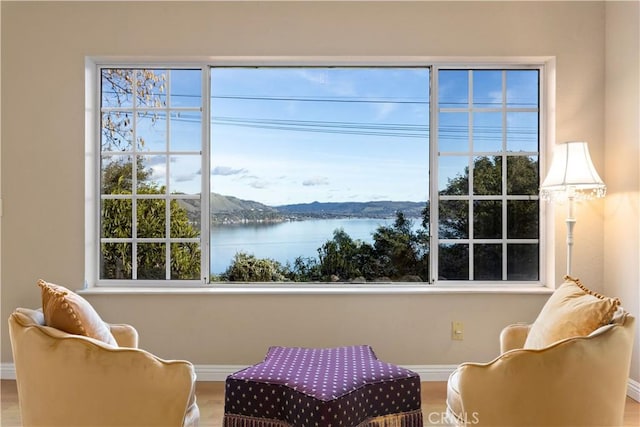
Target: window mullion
{"type": "Point", "coordinates": [167, 193]}
{"type": "Point", "coordinates": [470, 109]}
{"type": "Point", "coordinates": [505, 159]}
{"type": "Point", "coordinates": [205, 193]}
{"type": "Point", "coordinates": [434, 201]}
{"type": "Point", "coordinates": [134, 178]}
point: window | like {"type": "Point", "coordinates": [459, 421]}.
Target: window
{"type": "Point", "coordinates": [488, 149]}
{"type": "Point", "coordinates": [151, 133]}
{"type": "Point", "coordinates": [319, 174]}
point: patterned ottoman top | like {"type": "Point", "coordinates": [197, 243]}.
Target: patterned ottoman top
{"type": "Point", "coordinates": [322, 373]}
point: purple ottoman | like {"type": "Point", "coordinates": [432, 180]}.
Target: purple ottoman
{"type": "Point", "coordinates": [344, 386]}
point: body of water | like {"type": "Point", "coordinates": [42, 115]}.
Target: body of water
{"type": "Point", "coordinates": [285, 241]}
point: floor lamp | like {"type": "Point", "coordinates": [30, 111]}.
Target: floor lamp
{"type": "Point", "coordinates": [571, 177]}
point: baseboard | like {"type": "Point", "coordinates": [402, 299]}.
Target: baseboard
{"type": "Point", "coordinates": [432, 372]}
{"type": "Point", "coordinates": [7, 371]}
{"type": "Point", "coordinates": [220, 373]}
{"type": "Point", "coordinates": [633, 389]}
{"type": "Point", "coordinates": [216, 372]}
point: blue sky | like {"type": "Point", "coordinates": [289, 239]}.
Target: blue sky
{"type": "Point", "coordinates": [298, 135]}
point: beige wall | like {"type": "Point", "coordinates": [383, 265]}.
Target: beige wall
{"type": "Point", "coordinates": [622, 139]}
{"type": "Point", "coordinates": [0, 154]}
{"type": "Point", "coordinates": [44, 46]}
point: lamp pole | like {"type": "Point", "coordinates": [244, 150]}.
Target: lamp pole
{"type": "Point", "coordinates": [571, 222]}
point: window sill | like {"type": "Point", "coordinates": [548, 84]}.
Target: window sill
{"type": "Point", "coordinates": [315, 289]}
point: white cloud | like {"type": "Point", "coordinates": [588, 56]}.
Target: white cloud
{"type": "Point", "coordinates": [227, 170]}
{"type": "Point", "coordinates": [158, 173]}
{"type": "Point", "coordinates": [260, 185]}
{"type": "Point", "coordinates": [495, 97]}
{"type": "Point", "coordinates": [187, 177]}
{"type": "Point", "coordinates": [317, 76]}
{"type": "Point", "coordinates": [323, 77]}
{"type": "Point", "coordinates": [248, 178]}
{"type": "Point", "coordinates": [316, 180]}
{"type": "Point", "coordinates": [384, 109]}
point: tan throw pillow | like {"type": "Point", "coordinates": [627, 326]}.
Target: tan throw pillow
{"type": "Point", "coordinates": [572, 310]}
{"type": "Point", "coordinates": [65, 310]}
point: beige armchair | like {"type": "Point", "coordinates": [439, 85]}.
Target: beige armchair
{"type": "Point", "coordinates": [579, 381]}
{"type": "Point", "coordinates": [71, 380]}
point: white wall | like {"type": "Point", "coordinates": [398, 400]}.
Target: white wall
{"type": "Point", "coordinates": [44, 49]}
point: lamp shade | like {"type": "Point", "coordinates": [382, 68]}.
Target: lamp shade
{"type": "Point", "coordinates": [572, 171]}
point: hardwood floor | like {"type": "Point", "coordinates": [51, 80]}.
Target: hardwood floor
{"type": "Point", "coordinates": [211, 402]}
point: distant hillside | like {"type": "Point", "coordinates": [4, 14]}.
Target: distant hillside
{"type": "Point", "coordinates": [220, 203]}
{"type": "Point", "coordinates": [379, 209]}
{"type": "Point", "coordinates": [231, 210]}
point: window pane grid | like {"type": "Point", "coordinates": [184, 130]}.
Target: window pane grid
{"type": "Point", "coordinates": [480, 186]}
{"type": "Point", "coordinates": [137, 118]}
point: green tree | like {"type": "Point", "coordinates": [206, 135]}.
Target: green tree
{"type": "Point", "coordinates": [117, 222]}
{"type": "Point", "coordinates": [343, 258]}
{"type": "Point", "coordinates": [247, 268]}
{"type": "Point", "coordinates": [400, 252]}
{"type": "Point", "coordinates": [305, 269]}
{"type": "Point", "coordinates": [522, 219]}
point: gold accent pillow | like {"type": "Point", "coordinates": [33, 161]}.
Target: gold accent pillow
{"type": "Point", "coordinates": [571, 311]}
{"type": "Point", "coordinates": [65, 310]}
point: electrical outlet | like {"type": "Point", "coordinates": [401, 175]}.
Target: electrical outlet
{"type": "Point", "coordinates": [457, 330]}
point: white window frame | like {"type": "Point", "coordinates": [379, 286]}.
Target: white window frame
{"type": "Point", "coordinates": [433, 159]}
{"type": "Point", "coordinates": [546, 65]}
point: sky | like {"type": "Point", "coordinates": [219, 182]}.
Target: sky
{"type": "Point", "coordinates": [298, 135]}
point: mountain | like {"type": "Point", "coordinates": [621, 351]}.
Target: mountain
{"type": "Point", "coordinates": [377, 209]}
{"type": "Point", "coordinates": [227, 204]}
{"type": "Point", "coordinates": [231, 210]}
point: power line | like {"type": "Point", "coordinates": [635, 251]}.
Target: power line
{"type": "Point", "coordinates": [513, 103]}
{"type": "Point", "coordinates": [457, 132]}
